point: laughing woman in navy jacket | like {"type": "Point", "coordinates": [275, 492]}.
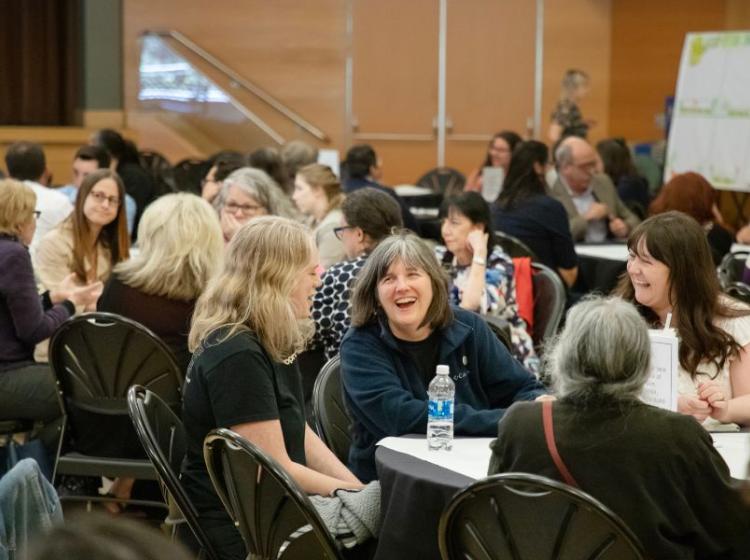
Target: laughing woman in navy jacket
{"type": "Point", "coordinates": [403, 328]}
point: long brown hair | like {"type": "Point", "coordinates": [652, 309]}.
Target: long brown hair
{"type": "Point", "coordinates": [678, 241]}
{"type": "Point", "coordinates": [687, 192]}
{"type": "Point", "coordinates": [113, 236]}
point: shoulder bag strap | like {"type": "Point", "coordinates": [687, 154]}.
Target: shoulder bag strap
{"type": "Point", "coordinates": [549, 436]}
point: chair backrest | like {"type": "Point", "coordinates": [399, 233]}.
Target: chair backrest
{"type": "Point", "coordinates": [332, 420]}
{"type": "Point", "coordinates": [738, 290]}
{"type": "Point", "coordinates": [96, 358]}
{"type": "Point", "coordinates": [163, 437]}
{"type": "Point", "coordinates": [501, 329]}
{"type": "Point", "coordinates": [731, 268]}
{"type": "Point", "coordinates": [443, 180]}
{"type": "Point", "coordinates": [513, 246]}
{"type": "Point", "coordinates": [519, 516]}
{"type": "Point", "coordinates": [272, 512]}
{"type": "Point", "coordinates": [549, 303]}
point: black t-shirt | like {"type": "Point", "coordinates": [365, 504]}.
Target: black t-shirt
{"type": "Point", "coordinates": [233, 382]}
{"type": "Point", "coordinates": [425, 354]}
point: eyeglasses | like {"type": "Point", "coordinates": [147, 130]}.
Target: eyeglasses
{"type": "Point", "coordinates": [339, 231]}
{"type": "Point", "coordinates": [245, 209]}
{"type": "Point", "coordinates": [37, 213]}
{"type": "Point", "coordinates": [100, 197]}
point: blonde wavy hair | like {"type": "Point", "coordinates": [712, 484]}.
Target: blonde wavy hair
{"type": "Point", "coordinates": [17, 203]}
{"type": "Point", "coordinates": [263, 264]}
{"type": "Point", "coordinates": [180, 248]}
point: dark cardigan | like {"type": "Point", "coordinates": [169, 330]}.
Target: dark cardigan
{"type": "Point", "coordinates": [26, 318]}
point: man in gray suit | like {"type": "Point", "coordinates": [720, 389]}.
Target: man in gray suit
{"type": "Point", "coordinates": [595, 212]}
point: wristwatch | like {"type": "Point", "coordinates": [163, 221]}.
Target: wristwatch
{"type": "Point", "coordinates": [480, 261]}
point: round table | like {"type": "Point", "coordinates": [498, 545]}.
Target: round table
{"type": "Point", "coordinates": [413, 496]}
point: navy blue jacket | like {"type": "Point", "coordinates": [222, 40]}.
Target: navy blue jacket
{"type": "Point", "coordinates": [386, 394]}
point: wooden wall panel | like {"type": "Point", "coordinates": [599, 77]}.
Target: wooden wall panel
{"type": "Point", "coordinates": [577, 34]}
{"type": "Point", "coordinates": [293, 50]}
{"type": "Point", "coordinates": [490, 74]}
{"type": "Point", "coordinates": [647, 40]}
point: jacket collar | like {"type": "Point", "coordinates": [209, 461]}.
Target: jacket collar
{"type": "Point", "coordinates": [453, 336]}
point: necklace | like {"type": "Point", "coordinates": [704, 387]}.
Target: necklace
{"type": "Point", "coordinates": [290, 360]}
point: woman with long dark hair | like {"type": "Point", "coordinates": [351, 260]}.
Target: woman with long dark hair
{"type": "Point", "coordinates": [671, 276]}
{"type": "Point", "coordinates": [525, 210]}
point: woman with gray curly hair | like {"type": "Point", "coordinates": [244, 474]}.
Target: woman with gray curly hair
{"type": "Point", "coordinates": [656, 469]}
{"type": "Point", "coordinates": [246, 194]}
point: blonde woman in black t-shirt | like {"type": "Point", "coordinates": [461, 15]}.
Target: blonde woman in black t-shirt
{"type": "Point", "coordinates": [248, 327]}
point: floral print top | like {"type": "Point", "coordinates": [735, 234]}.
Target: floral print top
{"type": "Point", "coordinates": [498, 299]}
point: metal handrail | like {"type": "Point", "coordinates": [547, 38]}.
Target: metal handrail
{"type": "Point", "coordinates": [240, 81]}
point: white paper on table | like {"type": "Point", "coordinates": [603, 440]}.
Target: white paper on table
{"type": "Point", "coordinates": [469, 456]}
{"type": "Point", "coordinates": [661, 386]}
{"type": "Point", "coordinates": [735, 450]}
{"type": "Point", "coordinates": [492, 183]}
{"type": "Point", "coordinates": [331, 159]}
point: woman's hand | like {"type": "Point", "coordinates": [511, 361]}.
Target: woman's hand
{"type": "Point", "coordinates": [476, 242]}
{"type": "Point", "coordinates": [87, 295]}
{"type": "Point", "coordinates": [64, 289]}
{"type": "Point", "coordinates": [229, 225]}
{"type": "Point", "coordinates": [714, 395]}
{"type": "Point", "coordinates": [694, 406]}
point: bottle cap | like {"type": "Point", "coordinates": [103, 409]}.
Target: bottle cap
{"type": "Point", "coordinates": [442, 368]}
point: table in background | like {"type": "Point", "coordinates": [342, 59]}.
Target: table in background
{"type": "Point", "coordinates": [600, 266]}
{"type": "Point", "coordinates": [416, 485]}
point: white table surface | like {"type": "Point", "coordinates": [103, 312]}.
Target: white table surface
{"type": "Point", "coordinates": [471, 456]}
{"type": "Point", "coordinates": [619, 251]}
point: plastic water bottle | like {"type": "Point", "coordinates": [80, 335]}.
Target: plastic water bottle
{"type": "Point", "coordinates": [441, 393]}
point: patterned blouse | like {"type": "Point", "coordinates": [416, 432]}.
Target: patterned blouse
{"type": "Point", "coordinates": [569, 117]}
{"type": "Point", "coordinates": [498, 299]}
{"type": "Point", "coordinates": [331, 309]}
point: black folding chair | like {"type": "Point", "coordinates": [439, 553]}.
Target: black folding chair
{"type": "Point", "coordinates": [444, 181]}
{"type": "Point", "coordinates": [275, 517]}
{"type": "Point", "coordinates": [96, 357]}
{"type": "Point", "coordinates": [513, 246]}
{"type": "Point", "coordinates": [549, 304]}
{"type": "Point", "coordinates": [163, 437]}
{"type": "Point", "coordinates": [525, 516]}
{"type": "Point", "coordinates": [332, 421]}
{"type": "Point", "coordinates": [731, 268]}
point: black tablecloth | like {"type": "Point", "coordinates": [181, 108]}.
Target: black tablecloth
{"type": "Point", "coordinates": [413, 495]}
{"type": "Point", "coordinates": [596, 274]}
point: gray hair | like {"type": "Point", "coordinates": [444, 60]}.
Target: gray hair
{"type": "Point", "coordinates": [603, 349]}
{"type": "Point", "coordinates": [259, 185]}
{"type": "Point", "coordinates": [563, 155]}
{"type": "Point", "coordinates": [412, 251]}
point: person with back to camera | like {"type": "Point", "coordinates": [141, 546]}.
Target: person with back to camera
{"type": "Point", "coordinates": [403, 327]}
{"type": "Point", "coordinates": [499, 154]}
{"type": "Point", "coordinates": [248, 327]}
{"type": "Point", "coordinates": [671, 274]}
{"type": "Point", "coordinates": [567, 119]}
{"type": "Point", "coordinates": [369, 216]}
{"type": "Point", "coordinates": [655, 469]}
{"type": "Point", "coordinates": [692, 194]}
{"type": "Point", "coordinates": [632, 187]}
{"type": "Point", "coordinates": [525, 210]}
{"type": "Point", "coordinates": [481, 272]}
{"type": "Point", "coordinates": [27, 389]}
{"type": "Point", "coordinates": [364, 169]}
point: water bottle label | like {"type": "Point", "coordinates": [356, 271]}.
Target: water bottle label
{"type": "Point", "coordinates": [440, 410]}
